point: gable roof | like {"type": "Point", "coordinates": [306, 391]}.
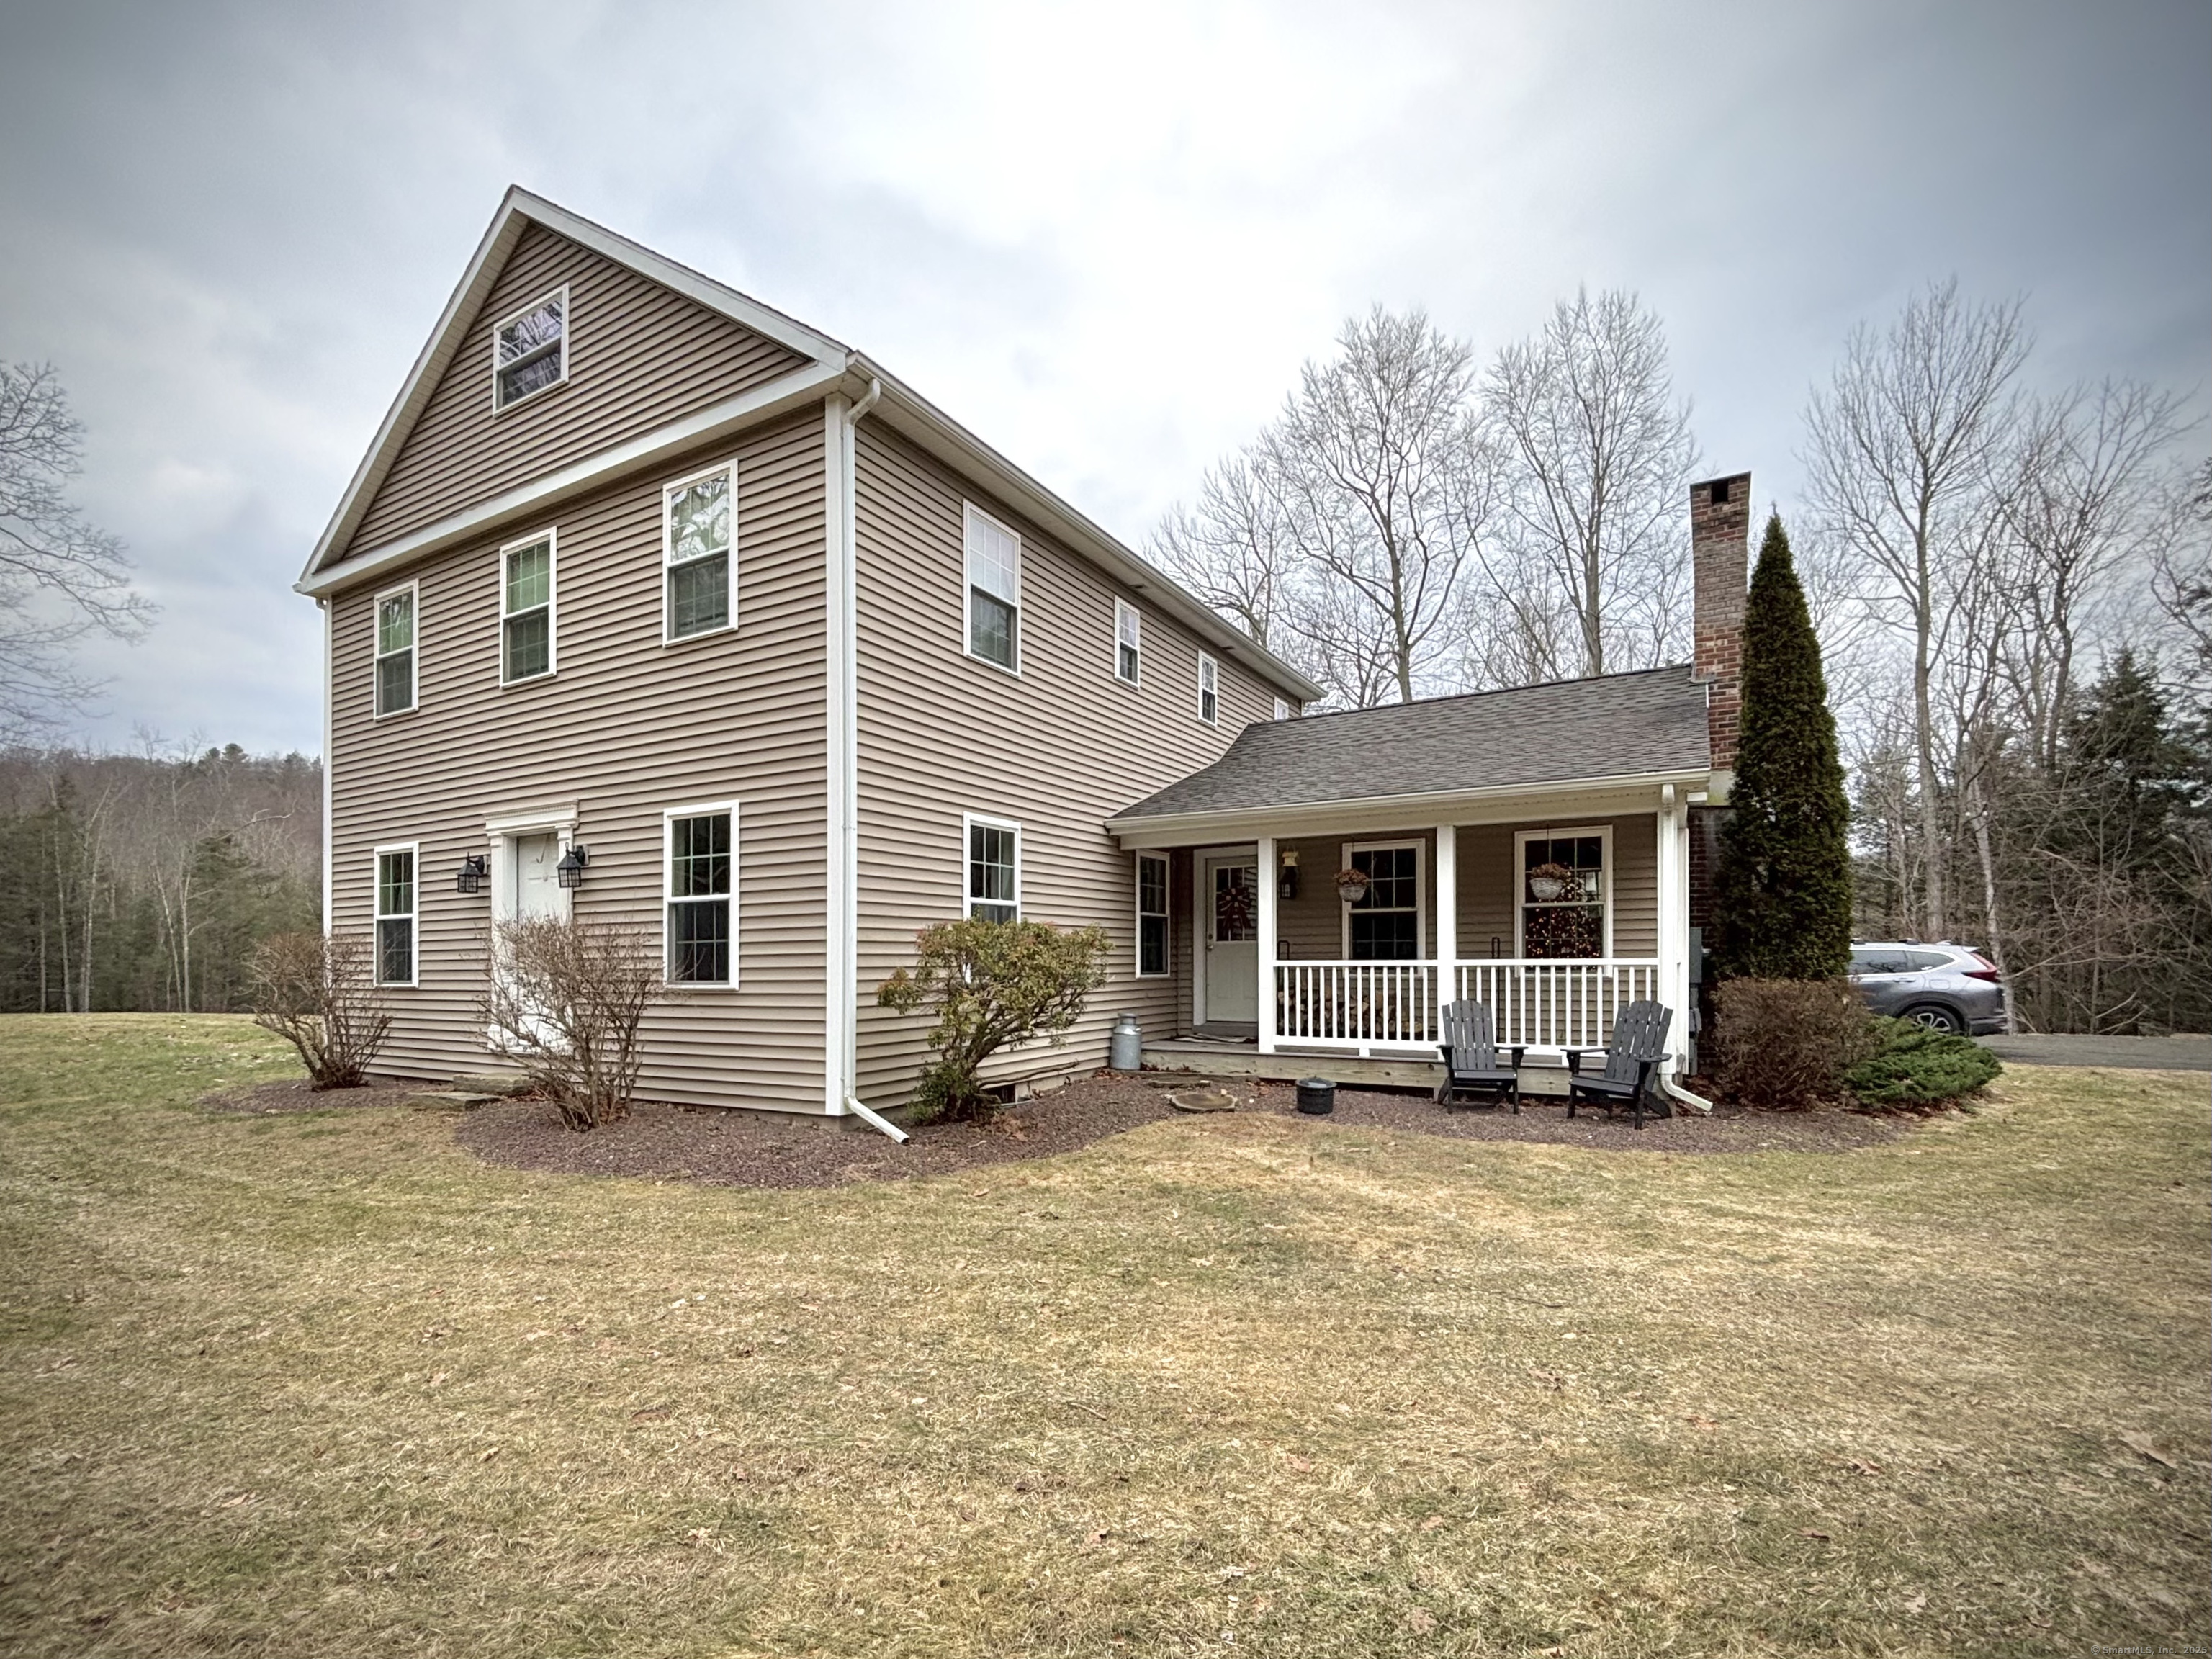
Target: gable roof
{"type": "Point", "coordinates": [1616, 726]}
{"type": "Point", "coordinates": [830, 366]}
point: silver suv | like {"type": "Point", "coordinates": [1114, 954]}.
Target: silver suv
{"type": "Point", "coordinates": [1947, 987]}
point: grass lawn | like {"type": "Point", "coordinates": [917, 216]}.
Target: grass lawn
{"type": "Point", "coordinates": [324, 1384]}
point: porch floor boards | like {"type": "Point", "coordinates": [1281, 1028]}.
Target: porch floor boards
{"type": "Point", "coordinates": [1226, 1057]}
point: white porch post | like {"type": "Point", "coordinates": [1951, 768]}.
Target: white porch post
{"type": "Point", "coordinates": [1674, 921]}
{"type": "Point", "coordinates": [1447, 921]}
{"type": "Point", "coordinates": [1264, 989]}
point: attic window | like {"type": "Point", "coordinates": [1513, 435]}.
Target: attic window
{"type": "Point", "coordinates": [530, 349]}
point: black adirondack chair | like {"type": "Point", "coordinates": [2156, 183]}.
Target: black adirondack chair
{"type": "Point", "coordinates": [1638, 1031]}
{"type": "Point", "coordinates": [1470, 1051]}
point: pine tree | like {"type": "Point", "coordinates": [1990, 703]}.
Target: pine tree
{"type": "Point", "coordinates": [1782, 896]}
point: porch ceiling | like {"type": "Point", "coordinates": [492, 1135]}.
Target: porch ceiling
{"type": "Point", "coordinates": [1618, 732]}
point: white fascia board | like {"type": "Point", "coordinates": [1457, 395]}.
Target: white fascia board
{"type": "Point", "coordinates": [483, 267]}
{"type": "Point", "coordinates": [518, 209]}
{"type": "Point", "coordinates": [762, 403]}
{"type": "Point", "coordinates": [922, 423]}
{"type": "Point", "coordinates": [787, 331]}
{"type": "Point", "coordinates": [1633, 792]}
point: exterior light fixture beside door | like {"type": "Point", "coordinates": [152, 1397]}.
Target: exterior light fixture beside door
{"type": "Point", "coordinates": [573, 862]}
{"type": "Point", "coordinates": [470, 877]}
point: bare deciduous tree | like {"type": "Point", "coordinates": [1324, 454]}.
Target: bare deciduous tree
{"type": "Point", "coordinates": [1899, 470]}
{"type": "Point", "coordinates": [1341, 535]}
{"type": "Point", "coordinates": [2076, 500]}
{"type": "Point", "coordinates": [314, 991]}
{"type": "Point", "coordinates": [60, 578]}
{"type": "Point", "coordinates": [2181, 569]}
{"type": "Point", "coordinates": [1596, 451]}
{"type": "Point", "coordinates": [563, 999]}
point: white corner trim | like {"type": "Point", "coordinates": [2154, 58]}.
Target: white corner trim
{"type": "Point", "coordinates": [329, 688]}
{"type": "Point", "coordinates": [840, 531]}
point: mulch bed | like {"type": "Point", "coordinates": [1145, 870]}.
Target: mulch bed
{"type": "Point", "coordinates": [760, 1149]}
{"type": "Point", "coordinates": [293, 1095]}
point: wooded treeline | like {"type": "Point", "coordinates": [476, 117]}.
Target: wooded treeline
{"type": "Point", "coordinates": [2011, 581]}
{"type": "Point", "coordinates": [144, 881]}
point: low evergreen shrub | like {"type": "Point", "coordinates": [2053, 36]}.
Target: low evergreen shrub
{"type": "Point", "coordinates": [1916, 1066]}
{"type": "Point", "coordinates": [1786, 1043]}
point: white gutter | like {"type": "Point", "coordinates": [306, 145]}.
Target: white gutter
{"type": "Point", "coordinates": [1289, 813]}
{"type": "Point", "coordinates": [330, 670]}
{"type": "Point", "coordinates": [841, 999]}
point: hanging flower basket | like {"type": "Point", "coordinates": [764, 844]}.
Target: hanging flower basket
{"type": "Point", "coordinates": [1550, 883]}
{"type": "Point", "coordinates": [1351, 885]}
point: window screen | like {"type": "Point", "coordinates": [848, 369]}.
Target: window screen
{"type": "Point", "coordinates": [994, 592]}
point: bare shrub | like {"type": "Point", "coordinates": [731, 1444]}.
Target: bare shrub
{"type": "Point", "coordinates": [563, 1000]}
{"type": "Point", "coordinates": [1786, 1043]}
{"type": "Point", "coordinates": [315, 992]}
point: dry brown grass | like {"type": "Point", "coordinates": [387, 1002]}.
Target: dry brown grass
{"type": "Point", "coordinates": [321, 1384]}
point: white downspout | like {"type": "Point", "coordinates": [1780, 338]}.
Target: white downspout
{"type": "Point", "coordinates": [840, 1012]}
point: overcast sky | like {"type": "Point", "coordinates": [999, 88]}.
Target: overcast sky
{"type": "Point", "coordinates": [1103, 237]}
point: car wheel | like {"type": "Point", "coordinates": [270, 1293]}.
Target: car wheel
{"type": "Point", "coordinates": [1936, 1019]}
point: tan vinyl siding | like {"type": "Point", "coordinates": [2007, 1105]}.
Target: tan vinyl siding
{"type": "Point", "coordinates": [1057, 749]}
{"type": "Point", "coordinates": [639, 356]}
{"type": "Point", "coordinates": [625, 729]}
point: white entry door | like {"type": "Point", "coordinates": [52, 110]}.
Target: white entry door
{"type": "Point", "coordinates": [536, 863]}
{"type": "Point", "coordinates": [1230, 908]}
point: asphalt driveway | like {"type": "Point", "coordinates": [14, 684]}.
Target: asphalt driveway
{"type": "Point", "coordinates": [2166, 1054]}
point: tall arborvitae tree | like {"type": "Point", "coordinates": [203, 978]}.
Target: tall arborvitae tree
{"type": "Point", "coordinates": [1782, 896]}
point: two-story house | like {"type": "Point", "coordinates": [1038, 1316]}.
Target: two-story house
{"type": "Point", "coordinates": [651, 604]}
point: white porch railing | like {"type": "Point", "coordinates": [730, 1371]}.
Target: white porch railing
{"type": "Point", "coordinates": [1536, 1003]}
{"type": "Point", "coordinates": [1547, 1004]}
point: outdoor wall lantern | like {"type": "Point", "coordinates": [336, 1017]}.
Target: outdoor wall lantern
{"type": "Point", "coordinates": [1287, 882]}
{"type": "Point", "coordinates": [571, 868]}
{"type": "Point", "coordinates": [470, 877]}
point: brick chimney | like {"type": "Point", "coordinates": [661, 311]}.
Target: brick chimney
{"type": "Point", "coordinates": [1720, 552]}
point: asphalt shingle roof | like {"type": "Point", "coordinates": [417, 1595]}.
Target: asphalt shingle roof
{"type": "Point", "coordinates": [1567, 731]}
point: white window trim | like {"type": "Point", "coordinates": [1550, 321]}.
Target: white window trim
{"type": "Point", "coordinates": [376, 915]}
{"type": "Point", "coordinates": [567, 323]}
{"type": "Point", "coordinates": [668, 817]}
{"type": "Point", "coordinates": [969, 510]}
{"type": "Point", "coordinates": [1521, 839]}
{"type": "Point", "coordinates": [1205, 663]}
{"type": "Point", "coordinates": [969, 822]}
{"type": "Point", "coordinates": [1137, 904]}
{"type": "Point", "coordinates": [1282, 708]}
{"type": "Point", "coordinates": [668, 492]}
{"type": "Point", "coordinates": [551, 536]}
{"type": "Point", "coordinates": [376, 649]}
{"type": "Point", "coordinates": [1420, 892]}
{"type": "Point", "coordinates": [1123, 608]}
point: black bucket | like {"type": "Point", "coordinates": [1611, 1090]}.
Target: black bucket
{"type": "Point", "coordinates": [1316, 1096]}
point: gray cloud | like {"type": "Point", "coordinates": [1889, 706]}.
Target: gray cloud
{"type": "Point", "coordinates": [1106, 239]}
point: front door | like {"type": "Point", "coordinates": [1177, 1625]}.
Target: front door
{"type": "Point", "coordinates": [1231, 912]}
{"type": "Point", "coordinates": [536, 864]}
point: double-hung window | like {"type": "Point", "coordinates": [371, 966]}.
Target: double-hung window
{"type": "Point", "coordinates": [1384, 925]}
{"type": "Point", "coordinates": [526, 610]}
{"type": "Point", "coordinates": [530, 349]}
{"type": "Point", "coordinates": [995, 870]}
{"type": "Point", "coordinates": [994, 591]}
{"type": "Point", "coordinates": [1282, 708]}
{"type": "Point", "coordinates": [1563, 892]}
{"type": "Point", "coordinates": [1151, 916]}
{"type": "Point", "coordinates": [395, 650]}
{"type": "Point", "coordinates": [695, 540]}
{"type": "Point", "coordinates": [701, 865]}
{"type": "Point", "coordinates": [395, 915]}
{"type": "Point", "coordinates": [1209, 690]}
{"type": "Point", "coordinates": [1128, 641]}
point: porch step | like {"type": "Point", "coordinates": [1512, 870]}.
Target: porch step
{"type": "Point", "coordinates": [1217, 1059]}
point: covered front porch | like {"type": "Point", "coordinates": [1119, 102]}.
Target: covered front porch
{"type": "Point", "coordinates": [1554, 911]}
